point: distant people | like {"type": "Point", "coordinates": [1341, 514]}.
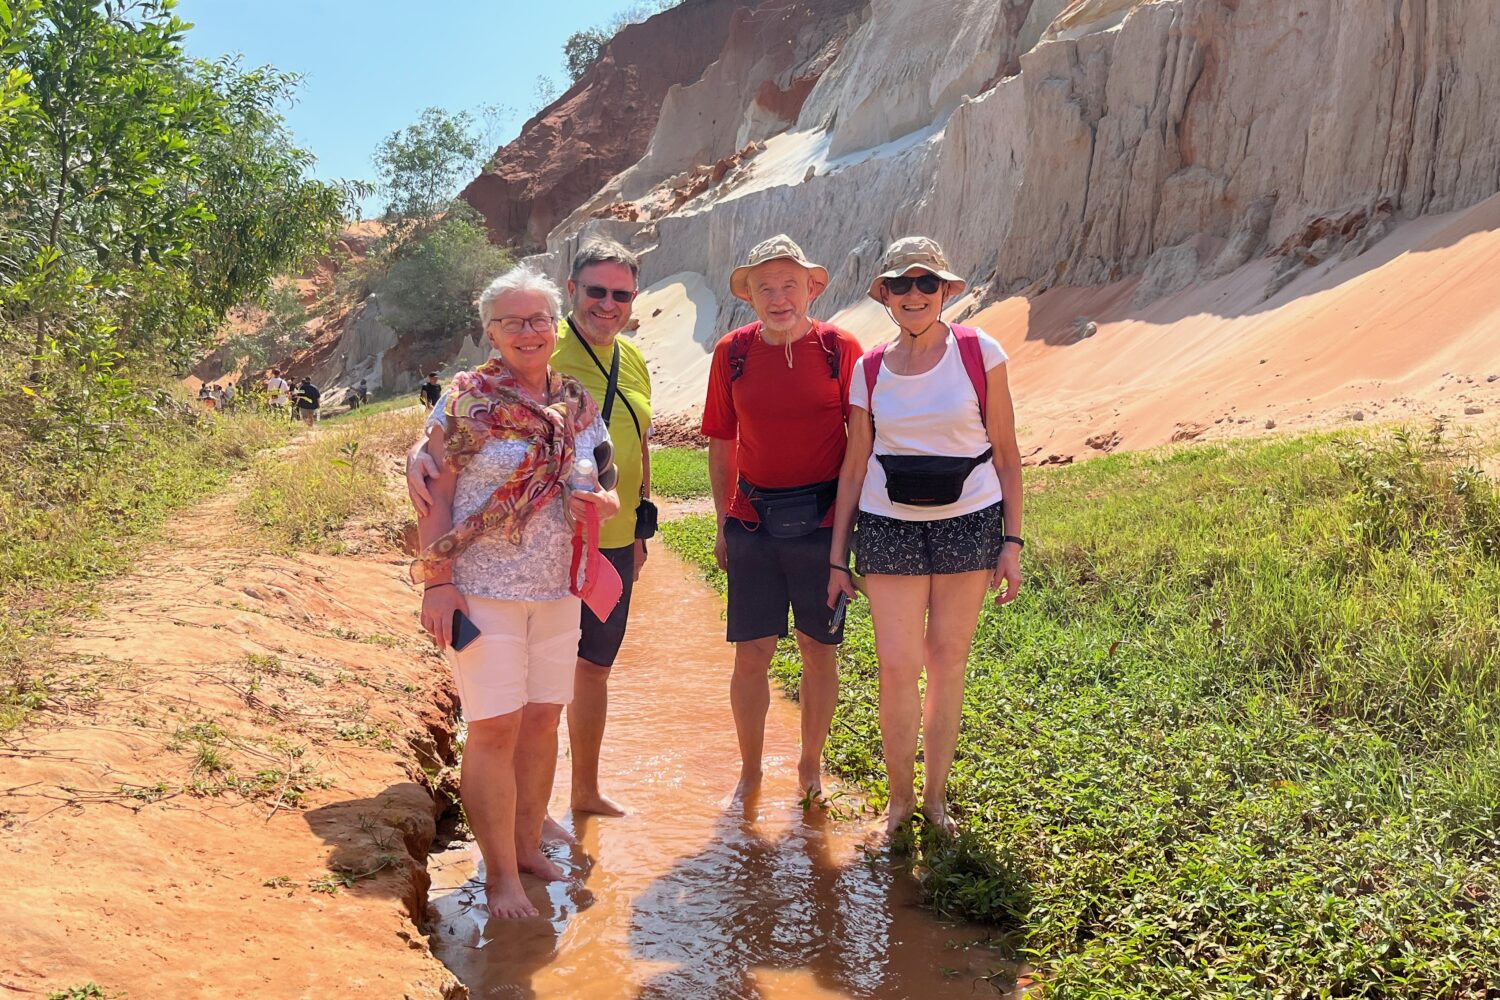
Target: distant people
{"type": "Point", "coordinates": [934, 474]}
{"type": "Point", "coordinates": [226, 396]}
{"type": "Point", "coordinates": [362, 392]}
{"type": "Point", "coordinates": [496, 545]}
{"type": "Point", "coordinates": [430, 390]}
{"type": "Point", "coordinates": [278, 392]}
{"type": "Point", "coordinates": [778, 392]}
{"type": "Point", "coordinates": [601, 288]}
{"type": "Point", "coordinates": [309, 398]}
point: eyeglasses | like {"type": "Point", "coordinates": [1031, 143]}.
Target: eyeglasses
{"type": "Point", "coordinates": [540, 323]}
{"type": "Point", "coordinates": [927, 284]}
{"type": "Point", "coordinates": [620, 295]}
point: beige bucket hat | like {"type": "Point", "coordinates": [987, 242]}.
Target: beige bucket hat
{"type": "Point", "coordinates": [778, 247]}
{"type": "Point", "coordinates": [915, 251]}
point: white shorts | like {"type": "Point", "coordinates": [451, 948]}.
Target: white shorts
{"type": "Point", "coordinates": [526, 651]}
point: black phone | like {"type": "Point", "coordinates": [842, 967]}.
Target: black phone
{"type": "Point", "coordinates": [464, 631]}
{"type": "Point", "coordinates": [840, 606]}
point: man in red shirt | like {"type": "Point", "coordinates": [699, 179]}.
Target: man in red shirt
{"type": "Point", "coordinates": [778, 399]}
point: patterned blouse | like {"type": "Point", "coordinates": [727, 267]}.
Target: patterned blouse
{"type": "Point", "coordinates": [535, 570]}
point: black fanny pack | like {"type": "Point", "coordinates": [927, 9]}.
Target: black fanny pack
{"type": "Point", "coordinates": [928, 480]}
{"type": "Point", "coordinates": [791, 512]}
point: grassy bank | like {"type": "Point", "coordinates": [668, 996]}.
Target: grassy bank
{"type": "Point", "coordinates": [68, 521]}
{"type": "Point", "coordinates": [302, 497]}
{"type": "Point", "coordinates": [1240, 737]}
{"type": "Point", "coordinates": [679, 473]}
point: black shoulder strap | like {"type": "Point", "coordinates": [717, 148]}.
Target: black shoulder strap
{"type": "Point", "coordinates": [612, 381]}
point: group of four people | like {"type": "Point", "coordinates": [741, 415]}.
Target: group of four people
{"type": "Point", "coordinates": [802, 472]}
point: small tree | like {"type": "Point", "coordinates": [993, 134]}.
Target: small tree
{"type": "Point", "coordinates": [422, 165]}
{"type": "Point", "coordinates": [582, 49]}
{"type": "Point", "coordinates": [436, 277]}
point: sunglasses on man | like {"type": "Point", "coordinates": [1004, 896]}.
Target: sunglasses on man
{"type": "Point", "coordinates": [927, 284]}
{"type": "Point", "coordinates": [620, 295]}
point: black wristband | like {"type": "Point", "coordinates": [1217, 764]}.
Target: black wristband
{"type": "Point", "coordinates": [434, 586]}
{"type": "Point", "coordinates": [841, 566]}
{"type": "Point", "coordinates": [1020, 542]}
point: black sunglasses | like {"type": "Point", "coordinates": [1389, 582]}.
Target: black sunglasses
{"type": "Point", "coordinates": [618, 294]}
{"type": "Point", "coordinates": [926, 284]}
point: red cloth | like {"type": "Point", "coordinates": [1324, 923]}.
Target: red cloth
{"type": "Point", "coordinates": [789, 423]}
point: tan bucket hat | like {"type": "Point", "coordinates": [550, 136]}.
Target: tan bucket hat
{"type": "Point", "coordinates": [915, 251]}
{"type": "Point", "coordinates": [778, 247]}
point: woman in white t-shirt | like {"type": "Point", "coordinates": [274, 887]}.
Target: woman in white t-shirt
{"type": "Point", "coordinates": [930, 459]}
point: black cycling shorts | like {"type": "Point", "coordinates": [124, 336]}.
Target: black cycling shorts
{"type": "Point", "coordinates": [599, 643]}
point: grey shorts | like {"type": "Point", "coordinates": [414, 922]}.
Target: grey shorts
{"type": "Point", "coordinates": [893, 547]}
{"type": "Point", "coordinates": [767, 576]}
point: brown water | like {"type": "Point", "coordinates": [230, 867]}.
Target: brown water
{"type": "Point", "coordinates": [687, 897]}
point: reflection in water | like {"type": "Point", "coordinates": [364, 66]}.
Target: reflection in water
{"type": "Point", "coordinates": [749, 902]}
{"type": "Point", "coordinates": [683, 898]}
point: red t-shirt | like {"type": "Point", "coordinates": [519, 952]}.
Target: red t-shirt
{"type": "Point", "coordinates": [789, 423]}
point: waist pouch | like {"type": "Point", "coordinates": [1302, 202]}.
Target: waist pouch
{"type": "Point", "coordinates": [928, 480]}
{"type": "Point", "coordinates": [791, 512]}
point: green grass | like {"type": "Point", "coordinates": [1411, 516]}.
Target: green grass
{"type": "Point", "coordinates": [680, 473]}
{"type": "Point", "coordinates": [1238, 737]}
{"type": "Point", "coordinates": [301, 497]}
{"type": "Point", "coordinates": [67, 523]}
{"type": "Point", "coordinates": [386, 405]}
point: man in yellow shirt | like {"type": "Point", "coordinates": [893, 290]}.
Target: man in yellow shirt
{"type": "Point", "coordinates": [602, 285]}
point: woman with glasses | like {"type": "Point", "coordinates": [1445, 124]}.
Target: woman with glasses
{"type": "Point", "coordinates": [496, 547]}
{"type": "Point", "coordinates": [931, 489]}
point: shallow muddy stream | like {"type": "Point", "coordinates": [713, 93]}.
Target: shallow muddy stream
{"type": "Point", "coordinates": [686, 897]}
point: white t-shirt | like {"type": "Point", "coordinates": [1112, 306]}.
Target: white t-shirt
{"type": "Point", "coordinates": [278, 390]}
{"type": "Point", "coordinates": [934, 413]}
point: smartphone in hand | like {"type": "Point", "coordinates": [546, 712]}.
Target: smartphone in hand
{"type": "Point", "coordinates": [464, 631]}
{"type": "Point", "coordinates": [840, 607]}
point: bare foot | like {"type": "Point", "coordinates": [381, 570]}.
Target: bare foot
{"type": "Point", "coordinates": [507, 901]}
{"type": "Point", "coordinates": [536, 863]}
{"type": "Point", "coordinates": [554, 832]}
{"type": "Point", "coordinates": [594, 802]}
{"type": "Point", "coordinates": [810, 780]}
{"type": "Point", "coordinates": [937, 818]}
{"type": "Point", "coordinates": [748, 787]}
{"type": "Point", "coordinates": [898, 815]}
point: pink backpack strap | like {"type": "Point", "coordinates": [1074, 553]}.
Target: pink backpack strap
{"type": "Point", "coordinates": [972, 354]}
{"type": "Point", "coordinates": [872, 372]}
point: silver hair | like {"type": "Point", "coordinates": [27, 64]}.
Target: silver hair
{"type": "Point", "coordinates": [519, 279]}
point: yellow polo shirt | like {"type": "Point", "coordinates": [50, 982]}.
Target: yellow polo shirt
{"type": "Point", "coordinates": [571, 357]}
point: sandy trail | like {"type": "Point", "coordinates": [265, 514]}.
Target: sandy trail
{"type": "Point", "coordinates": [228, 799]}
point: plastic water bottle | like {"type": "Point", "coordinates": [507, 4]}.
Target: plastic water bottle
{"type": "Point", "coordinates": [585, 477]}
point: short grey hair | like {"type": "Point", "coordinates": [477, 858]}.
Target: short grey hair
{"type": "Point", "coordinates": [603, 251]}
{"type": "Point", "coordinates": [519, 279]}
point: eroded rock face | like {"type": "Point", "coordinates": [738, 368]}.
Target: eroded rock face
{"type": "Point", "coordinates": [1142, 132]}
{"type": "Point", "coordinates": [774, 55]}
{"type": "Point", "coordinates": [713, 74]}
{"type": "Point", "coordinates": [600, 126]}
{"type": "Point", "coordinates": [1043, 142]}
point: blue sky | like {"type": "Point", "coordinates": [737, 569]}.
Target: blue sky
{"type": "Point", "coordinates": [371, 66]}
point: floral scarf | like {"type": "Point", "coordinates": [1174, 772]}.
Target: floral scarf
{"type": "Point", "coordinates": [489, 404]}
